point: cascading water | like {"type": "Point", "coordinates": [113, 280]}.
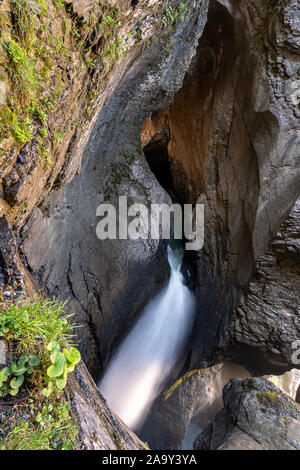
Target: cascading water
{"type": "Point", "coordinates": [146, 357]}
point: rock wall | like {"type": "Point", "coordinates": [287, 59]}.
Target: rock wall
{"type": "Point", "coordinates": [230, 140]}
{"type": "Point", "coordinates": [200, 107]}
{"type": "Point", "coordinates": [107, 283]}
{"type": "Point", "coordinates": [263, 332]}
{"type": "Point", "coordinates": [256, 416]}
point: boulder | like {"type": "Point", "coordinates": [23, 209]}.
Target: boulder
{"type": "Point", "coordinates": [256, 416]}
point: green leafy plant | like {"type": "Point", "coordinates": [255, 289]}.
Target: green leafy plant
{"type": "Point", "coordinates": [35, 322]}
{"type": "Point", "coordinates": [20, 129]}
{"type": "Point", "coordinates": [113, 52]}
{"type": "Point", "coordinates": [111, 20]}
{"type": "Point", "coordinates": [59, 3]}
{"type": "Point", "coordinates": [43, 6]}
{"type": "Point", "coordinates": [12, 377]}
{"type": "Point", "coordinates": [61, 364]}
{"type": "Point", "coordinates": [39, 327]}
{"type": "Point", "coordinates": [172, 15]}
{"type": "Point", "coordinates": [58, 137]}
{"type": "Point", "coordinates": [39, 112]}
{"type": "Point", "coordinates": [38, 334]}
{"type": "Point", "coordinates": [44, 132]}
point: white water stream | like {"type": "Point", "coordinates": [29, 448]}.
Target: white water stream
{"type": "Point", "coordinates": [145, 358]}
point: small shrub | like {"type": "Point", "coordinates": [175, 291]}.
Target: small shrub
{"type": "Point", "coordinates": [61, 363]}
{"type": "Point", "coordinates": [12, 377]}
{"type": "Point", "coordinates": [39, 328]}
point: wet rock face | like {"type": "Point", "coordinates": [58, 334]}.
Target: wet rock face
{"type": "Point", "coordinates": [109, 281]}
{"type": "Point", "coordinates": [229, 141]}
{"type": "Point", "coordinates": [197, 399]}
{"type": "Point", "coordinates": [225, 136]}
{"type": "Point", "coordinates": [264, 331]}
{"type": "Point", "coordinates": [256, 416]}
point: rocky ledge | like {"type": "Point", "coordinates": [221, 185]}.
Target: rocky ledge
{"type": "Point", "coordinates": [256, 416]}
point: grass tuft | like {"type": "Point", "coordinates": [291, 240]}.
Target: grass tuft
{"type": "Point", "coordinates": [51, 428]}
{"type": "Point", "coordinates": [22, 72]}
{"type": "Point", "coordinates": [34, 323]}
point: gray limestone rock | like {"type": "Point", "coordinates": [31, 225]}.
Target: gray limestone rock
{"type": "Point", "coordinates": [256, 416]}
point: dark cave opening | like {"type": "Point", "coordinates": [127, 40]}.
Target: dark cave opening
{"type": "Point", "coordinates": [157, 156]}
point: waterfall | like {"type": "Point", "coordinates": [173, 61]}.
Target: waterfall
{"type": "Point", "coordinates": [145, 358]}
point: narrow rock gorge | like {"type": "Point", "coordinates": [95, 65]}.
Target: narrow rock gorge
{"type": "Point", "coordinates": [193, 102]}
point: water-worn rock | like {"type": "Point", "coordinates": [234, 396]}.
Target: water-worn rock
{"type": "Point", "coordinates": [264, 331]}
{"type": "Point", "coordinates": [288, 382]}
{"type": "Point", "coordinates": [230, 140]}
{"type": "Point", "coordinates": [108, 281]}
{"type": "Point", "coordinates": [256, 416]}
{"type": "Point", "coordinates": [197, 399]}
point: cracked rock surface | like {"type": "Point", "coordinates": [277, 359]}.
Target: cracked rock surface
{"type": "Point", "coordinates": [264, 330]}
{"type": "Point", "coordinates": [256, 416]}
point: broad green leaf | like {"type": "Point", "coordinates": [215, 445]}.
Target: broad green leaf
{"type": "Point", "coordinates": [17, 370]}
{"type": "Point", "coordinates": [22, 360]}
{"type": "Point", "coordinates": [73, 355]}
{"type": "Point", "coordinates": [58, 359]}
{"type": "Point", "coordinates": [4, 373]}
{"type": "Point", "coordinates": [13, 391]}
{"type": "Point", "coordinates": [69, 366]}
{"type": "Point", "coordinates": [16, 382]}
{"type": "Point", "coordinates": [61, 381]}
{"type": "Point", "coordinates": [47, 390]}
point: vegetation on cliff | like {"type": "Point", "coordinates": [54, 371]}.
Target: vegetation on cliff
{"type": "Point", "coordinates": [39, 42]}
{"type": "Point", "coordinates": [56, 58]}
{"type": "Point", "coordinates": [31, 383]}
